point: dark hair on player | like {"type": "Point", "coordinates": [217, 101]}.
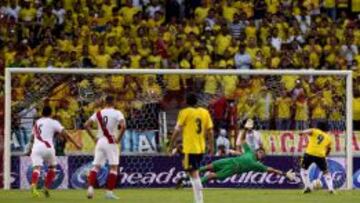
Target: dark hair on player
{"type": "Point", "coordinates": [323, 126]}
{"type": "Point", "coordinates": [109, 100]}
{"type": "Point", "coordinates": [46, 111]}
{"type": "Point", "coordinates": [191, 99]}
{"type": "Point", "coordinates": [261, 149]}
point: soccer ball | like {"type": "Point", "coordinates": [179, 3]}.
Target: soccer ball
{"type": "Point", "coordinates": [316, 184]}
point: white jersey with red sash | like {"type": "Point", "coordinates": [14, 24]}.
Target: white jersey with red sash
{"type": "Point", "coordinates": [44, 131]}
{"type": "Point", "coordinates": [108, 121]}
{"type": "Point", "coordinates": [43, 150]}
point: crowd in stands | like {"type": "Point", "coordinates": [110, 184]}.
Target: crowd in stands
{"type": "Point", "coordinates": [193, 34]}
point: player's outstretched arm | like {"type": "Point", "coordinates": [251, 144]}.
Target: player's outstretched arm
{"type": "Point", "coordinates": [122, 128]}
{"type": "Point", "coordinates": [87, 127]}
{"type": "Point", "coordinates": [69, 138]}
{"type": "Point", "coordinates": [289, 174]}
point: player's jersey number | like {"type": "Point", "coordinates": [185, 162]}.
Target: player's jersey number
{"type": "Point", "coordinates": [40, 126]}
{"type": "Point", "coordinates": [105, 120]}
{"type": "Point", "coordinates": [320, 139]}
{"type": "Point", "coordinates": [198, 125]}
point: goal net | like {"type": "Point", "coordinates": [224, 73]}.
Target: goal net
{"type": "Point", "coordinates": [281, 102]}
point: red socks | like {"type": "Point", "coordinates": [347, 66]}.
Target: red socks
{"type": "Point", "coordinates": [111, 180]}
{"type": "Point", "coordinates": [49, 178]}
{"type": "Point", "coordinates": [92, 178]}
{"type": "Point", "coordinates": [35, 177]}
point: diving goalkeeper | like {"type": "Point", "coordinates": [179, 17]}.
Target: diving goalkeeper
{"type": "Point", "coordinates": [248, 161]}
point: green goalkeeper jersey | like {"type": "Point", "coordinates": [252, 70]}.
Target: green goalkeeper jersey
{"type": "Point", "coordinates": [248, 162]}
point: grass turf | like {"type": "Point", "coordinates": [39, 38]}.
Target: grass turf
{"type": "Point", "coordinates": [185, 196]}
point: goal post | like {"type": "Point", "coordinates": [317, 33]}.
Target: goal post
{"type": "Point", "coordinates": [74, 71]}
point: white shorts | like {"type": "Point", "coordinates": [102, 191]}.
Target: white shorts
{"type": "Point", "coordinates": [39, 155]}
{"type": "Point", "coordinates": [105, 151]}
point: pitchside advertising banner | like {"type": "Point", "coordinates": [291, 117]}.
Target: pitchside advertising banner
{"type": "Point", "coordinates": [275, 142]}
{"type": "Point", "coordinates": [164, 171]}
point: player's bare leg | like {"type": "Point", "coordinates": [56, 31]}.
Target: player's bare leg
{"type": "Point", "coordinates": [34, 180]}
{"type": "Point", "coordinates": [49, 180]}
{"type": "Point", "coordinates": [111, 182]}
{"type": "Point", "coordinates": [329, 182]}
{"type": "Point", "coordinates": [92, 181]}
{"type": "Point", "coordinates": [197, 186]}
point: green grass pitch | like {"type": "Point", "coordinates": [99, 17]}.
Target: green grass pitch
{"type": "Point", "coordinates": [185, 196]}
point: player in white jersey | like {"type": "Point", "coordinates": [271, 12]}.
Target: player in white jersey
{"type": "Point", "coordinates": [253, 137]}
{"type": "Point", "coordinates": [111, 127]}
{"type": "Point", "coordinates": [42, 149]}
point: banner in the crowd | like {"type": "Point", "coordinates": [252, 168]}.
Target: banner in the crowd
{"type": "Point", "coordinates": [60, 180]}
{"type": "Point", "coordinates": [291, 143]}
{"type": "Point", "coordinates": [164, 171]}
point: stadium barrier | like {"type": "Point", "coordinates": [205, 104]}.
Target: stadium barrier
{"type": "Point", "coordinates": [164, 171]}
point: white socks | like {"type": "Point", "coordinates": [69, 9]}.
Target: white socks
{"type": "Point", "coordinates": [197, 188]}
{"type": "Point", "coordinates": [305, 178]}
{"type": "Point", "coordinates": [306, 181]}
{"type": "Point", "coordinates": [329, 181]}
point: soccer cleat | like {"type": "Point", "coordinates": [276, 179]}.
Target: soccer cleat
{"type": "Point", "coordinates": [332, 192]}
{"type": "Point", "coordinates": [182, 182]}
{"type": "Point", "coordinates": [306, 190]}
{"type": "Point", "coordinates": [110, 195]}
{"type": "Point", "coordinates": [46, 193]}
{"type": "Point", "coordinates": [34, 192]}
{"type": "Point", "coordinates": [179, 185]}
{"type": "Point", "coordinates": [90, 192]}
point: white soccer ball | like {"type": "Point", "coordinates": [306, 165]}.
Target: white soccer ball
{"type": "Point", "coordinates": [316, 184]}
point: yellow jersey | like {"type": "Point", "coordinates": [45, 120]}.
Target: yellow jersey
{"type": "Point", "coordinates": [195, 121]}
{"type": "Point", "coordinates": [319, 141]}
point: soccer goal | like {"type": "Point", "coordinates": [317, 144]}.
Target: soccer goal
{"type": "Point", "coordinates": [282, 102]}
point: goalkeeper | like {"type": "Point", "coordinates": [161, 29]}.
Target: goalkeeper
{"type": "Point", "coordinates": [248, 161]}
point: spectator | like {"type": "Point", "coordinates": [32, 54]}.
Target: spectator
{"type": "Point", "coordinates": [349, 50]}
{"type": "Point", "coordinates": [13, 10]}
{"type": "Point", "coordinates": [238, 26]}
{"type": "Point", "coordinates": [242, 58]}
{"type": "Point", "coordinates": [222, 143]}
{"type": "Point", "coordinates": [211, 19]}
{"type": "Point", "coordinates": [330, 7]}
{"type": "Point", "coordinates": [222, 41]}
{"type": "Point", "coordinates": [173, 10]}
{"type": "Point", "coordinates": [301, 112]}
{"type": "Point", "coordinates": [283, 111]}
{"type": "Point", "coordinates": [259, 11]}
{"type": "Point", "coordinates": [128, 11]}
{"type": "Point", "coordinates": [59, 12]}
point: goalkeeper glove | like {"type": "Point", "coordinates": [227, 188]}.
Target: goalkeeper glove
{"type": "Point", "coordinates": [290, 175]}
